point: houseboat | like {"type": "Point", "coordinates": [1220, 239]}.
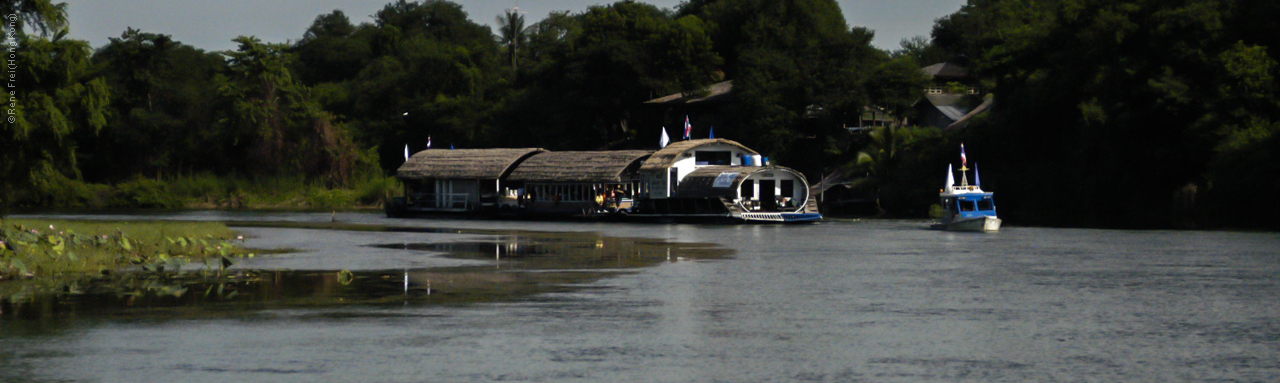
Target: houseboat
{"type": "Point", "coordinates": [691, 180]}
{"type": "Point", "coordinates": [719, 179]}
{"type": "Point", "coordinates": [967, 207]}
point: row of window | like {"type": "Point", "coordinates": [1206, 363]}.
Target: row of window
{"type": "Point", "coordinates": [565, 193]}
{"type": "Point", "coordinates": [985, 204]}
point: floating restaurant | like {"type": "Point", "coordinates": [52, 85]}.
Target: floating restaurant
{"type": "Point", "coordinates": [691, 180]}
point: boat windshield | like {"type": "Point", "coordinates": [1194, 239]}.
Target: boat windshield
{"type": "Point", "coordinates": [986, 204]}
{"type": "Point", "coordinates": [965, 205]}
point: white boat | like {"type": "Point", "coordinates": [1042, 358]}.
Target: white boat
{"type": "Point", "coordinates": [967, 207]}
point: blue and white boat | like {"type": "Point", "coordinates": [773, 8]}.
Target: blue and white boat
{"type": "Point", "coordinates": [967, 207]}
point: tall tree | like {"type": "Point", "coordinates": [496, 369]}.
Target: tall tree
{"type": "Point", "coordinates": [52, 95]}
{"type": "Point", "coordinates": [163, 96]}
{"type": "Point", "coordinates": [433, 73]}
{"type": "Point", "coordinates": [511, 33]}
{"type": "Point", "coordinates": [797, 69]}
{"type": "Point", "coordinates": [600, 65]}
{"type": "Point", "coordinates": [332, 50]}
{"type": "Point", "coordinates": [284, 129]}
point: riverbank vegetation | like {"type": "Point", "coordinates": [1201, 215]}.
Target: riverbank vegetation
{"type": "Point", "coordinates": [51, 255]}
{"type": "Point", "coordinates": [1129, 113]}
{"type": "Point", "coordinates": [209, 191]}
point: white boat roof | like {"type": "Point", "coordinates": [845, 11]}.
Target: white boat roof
{"type": "Point", "coordinates": [963, 190]}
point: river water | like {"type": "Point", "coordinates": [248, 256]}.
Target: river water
{"type": "Point", "coordinates": [837, 301]}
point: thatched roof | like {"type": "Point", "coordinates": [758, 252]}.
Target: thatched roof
{"type": "Point", "coordinates": [700, 183]}
{"type": "Point", "coordinates": [946, 71]}
{"type": "Point", "coordinates": [477, 164]}
{"type": "Point", "coordinates": [664, 158]}
{"type": "Point", "coordinates": [602, 166]}
{"type": "Point", "coordinates": [713, 92]}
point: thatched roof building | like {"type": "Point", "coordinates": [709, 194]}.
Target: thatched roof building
{"type": "Point", "coordinates": [702, 182]}
{"type": "Point", "coordinates": [588, 167]}
{"type": "Point", "coordinates": [667, 157]}
{"type": "Point", "coordinates": [477, 164]}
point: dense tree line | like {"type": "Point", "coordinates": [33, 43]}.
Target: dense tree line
{"type": "Point", "coordinates": [345, 98]}
{"type": "Point", "coordinates": [1126, 113]}
{"type": "Point", "coordinates": [1134, 112]}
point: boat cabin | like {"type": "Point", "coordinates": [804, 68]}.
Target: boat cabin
{"type": "Point", "coordinates": [969, 204]}
{"type": "Point", "coordinates": [578, 183]}
{"type": "Point", "coordinates": [459, 180]}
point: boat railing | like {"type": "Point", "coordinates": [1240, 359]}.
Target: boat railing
{"type": "Point", "coordinates": [783, 205]}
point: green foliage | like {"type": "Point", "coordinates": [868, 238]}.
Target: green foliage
{"type": "Point", "coordinates": [268, 109]}
{"type": "Point", "coordinates": [162, 103]}
{"type": "Point", "coordinates": [892, 164]}
{"type": "Point", "coordinates": [45, 16]}
{"type": "Point", "coordinates": [896, 85]}
{"type": "Point", "coordinates": [148, 193]}
{"type": "Point", "coordinates": [377, 190]}
{"type": "Point", "coordinates": [32, 248]}
{"type": "Point", "coordinates": [58, 98]}
{"type": "Point", "coordinates": [511, 34]}
{"type": "Point", "coordinates": [1124, 104]}
{"type": "Point", "coordinates": [599, 66]}
{"type": "Point", "coordinates": [1130, 104]}
{"type": "Point", "coordinates": [330, 51]}
{"type": "Point", "coordinates": [799, 74]}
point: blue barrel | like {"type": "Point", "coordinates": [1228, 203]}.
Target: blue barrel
{"type": "Point", "coordinates": [746, 160]}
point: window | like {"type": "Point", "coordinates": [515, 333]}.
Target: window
{"type": "Point", "coordinates": [713, 157]}
{"type": "Point", "coordinates": [966, 205]}
{"type": "Point", "coordinates": [986, 204]}
{"type": "Point", "coordinates": [748, 189]}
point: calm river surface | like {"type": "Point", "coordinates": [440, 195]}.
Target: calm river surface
{"type": "Point", "coordinates": [860, 301]}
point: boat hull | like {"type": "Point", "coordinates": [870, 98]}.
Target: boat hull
{"type": "Point", "coordinates": [727, 218]}
{"type": "Point", "coordinates": [977, 224]}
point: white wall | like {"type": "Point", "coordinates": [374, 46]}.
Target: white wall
{"type": "Point", "coordinates": [686, 163]}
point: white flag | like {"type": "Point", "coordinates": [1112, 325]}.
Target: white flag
{"type": "Point", "coordinates": [951, 179]}
{"type": "Point", "coordinates": [662, 142]}
{"type": "Point", "coordinates": [406, 152]}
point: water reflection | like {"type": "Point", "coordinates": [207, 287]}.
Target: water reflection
{"type": "Point", "coordinates": [521, 264]}
{"type": "Point", "coordinates": [568, 252]}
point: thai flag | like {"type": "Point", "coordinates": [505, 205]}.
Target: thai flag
{"type": "Point", "coordinates": [963, 160]}
{"type": "Point", "coordinates": [688, 128]}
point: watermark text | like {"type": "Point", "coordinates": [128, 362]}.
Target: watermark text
{"type": "Point", "coordinates": [11, 68]}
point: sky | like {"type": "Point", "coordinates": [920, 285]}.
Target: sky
{"type": "Point", "coordinates": [210, 25]}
